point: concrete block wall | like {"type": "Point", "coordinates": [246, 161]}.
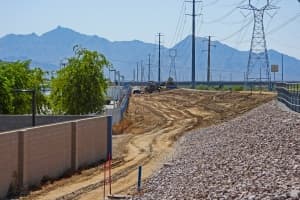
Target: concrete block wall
{"type": "Point", "coordinates": [115, 113]}
{"type": "Point", "coordinates": [90, 145]}
{"type": "Point", "coordinates": [9, 151]}
{"type": "Point", "coordinates": [26, 156]}
{"type": "Point", "coordinates": [47, 152]}
{"type": "Point", "coordinates": [13, 122]}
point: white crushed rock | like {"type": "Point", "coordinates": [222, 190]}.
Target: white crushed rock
{"type": "Point", "coordinates": [255, 156]}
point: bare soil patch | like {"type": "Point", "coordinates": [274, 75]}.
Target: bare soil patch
{"type": "Point", "coordinates": [145, 137]}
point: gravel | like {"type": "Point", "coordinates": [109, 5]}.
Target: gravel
{"type": "Point", "coordinates": [255, 156]}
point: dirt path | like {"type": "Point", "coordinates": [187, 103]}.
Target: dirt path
{"type": "Point", "coordinates": [153, 123]}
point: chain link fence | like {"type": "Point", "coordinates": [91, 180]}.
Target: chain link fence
{"type": "Point", "coordinates": [289, 94]}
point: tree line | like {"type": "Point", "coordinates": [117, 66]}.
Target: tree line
{"type": "Point", "coordinates": [78, 88]}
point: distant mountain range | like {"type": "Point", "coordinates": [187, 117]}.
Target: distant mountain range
{"type": "Point", "coordinates": [51, 48]}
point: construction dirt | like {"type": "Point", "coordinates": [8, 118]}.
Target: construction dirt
{"type": "Point", "coordinates": [146, 135]}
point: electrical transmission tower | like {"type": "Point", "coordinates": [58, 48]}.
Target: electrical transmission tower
{"type": "Point", "coordinates": [258, 57]}
{"type": "Point", "coordinates": [172, 72]}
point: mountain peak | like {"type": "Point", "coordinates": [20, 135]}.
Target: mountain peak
{"type": "Point", "coordinates": [59, 30]}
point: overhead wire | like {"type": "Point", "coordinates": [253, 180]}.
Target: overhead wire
{"type": "Point", "coordinates": [226, 14]}
{"type": "Point", "coordinates": [284, 24]}
{"type": "Point", "coordinates": [179, 24]}
{"type": "Point", "coordinates": [211, 3]}
{"type": "Point", "coordinates": [236, 32]}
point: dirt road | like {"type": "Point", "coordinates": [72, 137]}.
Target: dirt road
{"type": "Point", "coordinates": [145, 137]}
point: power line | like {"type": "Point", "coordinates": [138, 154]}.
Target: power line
{"type": "Point", "coordinates": [236, 32]}
{"type": "Point", "coordinates": [281, 26]}
{"type": "Point", "coordinates": [225, 15]}
{"type": "Point", "coordinates": [211, 3]}
{"type": "Point", "coordinates": [179, 24]}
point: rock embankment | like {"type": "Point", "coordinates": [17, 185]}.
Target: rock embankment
{"type": "Point", "coordinates": [255, 156]}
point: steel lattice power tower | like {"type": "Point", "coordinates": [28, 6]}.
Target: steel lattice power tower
{"type": "Point", "coordinates": [258, 67]}
{"type": "Point", "coordinates": [172, 72]}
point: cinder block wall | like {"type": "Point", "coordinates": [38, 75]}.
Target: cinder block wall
{"type": "Point", "coordinates": [90, 145]}
{"type": "Point", "coordinates": [13, 122]}
{"type": "Point", "coordinates": [26, 156]}
{"type": "Point", "coordinates": [115, 113]}
{"type": "Point", "coordinates": [9, 152]}
{"type": "Point", "coordinates": [47, 152]}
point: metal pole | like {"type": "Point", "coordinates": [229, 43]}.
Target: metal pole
{"type": "Point", "coordinates": [137, 72]}
{"type": "Point", "coordinates": [133, 75]}
{"type": "Point", "coordinates": [109, 171]}
{"type": "Point", "coordinates": [282, 67]}
{"type": "Point", "coordinates": [104, 180]}
{"type": "Point", "coordinates": [149, 64]}
{"type": "Point", "coordinates": [193, 46]}
{"type": "Point", "coordinates": [208, 60]}
{"type": "Point", "coordinates": [33, 107]}
{"type": "Point", "coordinates": [139, 178]}
{"type": "Point", "coordinates": [142, 71]}
{"type": "Point", "coordinates": [159, 35]}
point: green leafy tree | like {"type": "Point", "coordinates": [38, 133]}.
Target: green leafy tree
{"type": "Point", "coordinates": [80, 87]}
{"type": "Point", "coordinates": [18, 75]}
{"type": "Point", "coordinates": [5, 97]}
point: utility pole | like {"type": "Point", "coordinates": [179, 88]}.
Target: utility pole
{"type": "Point", "coordinates": [208, 60]}
{"type": "Point", "coordinates": [193, 42]}
{"type": "Point", "coordinates": [142, 71]}
{"type": "Point", "coordinates": [149, 65]}
{"type": "Point", "coordinates": [159, 46]}
{"type": "Point", "coordinates": [281, 67]}
{"type": "Point", "coordinates": [194, 46]}
{"type": "Point", "coordinates": [208, 78]}
{"type": "Point", "coordinates": [137, 72]}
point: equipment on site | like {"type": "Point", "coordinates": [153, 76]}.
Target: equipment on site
{"type": "Point", "coordinates": [170, 84]}
{"type": "Point", "coordinates": [152, 87]}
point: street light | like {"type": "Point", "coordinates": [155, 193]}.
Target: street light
{"type": "Point", "coordinates": [119, 75]}
{"type": "Point", "coordinates": [33, 101]}
{"type": "Point", "coordinates": [123, 78]}
{"type": "Point", "coordinates": [63, 62]}
{"type": "Point", "coordinates": [113, 70]}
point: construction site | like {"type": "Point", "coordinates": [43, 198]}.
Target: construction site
{"type": "Point", "coordinates": [146, 137]}
{"type": "Point", "coordinates": [194, 128]}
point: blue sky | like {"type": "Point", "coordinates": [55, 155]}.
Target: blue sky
{"type": "Point", "coordinates": [119, 20]}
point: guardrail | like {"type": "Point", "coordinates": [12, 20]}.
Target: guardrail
{"type": "Point", "coordinates": [289, 94]}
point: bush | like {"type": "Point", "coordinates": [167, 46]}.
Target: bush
{"type": "Point", "coordinates": [238, 88]}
